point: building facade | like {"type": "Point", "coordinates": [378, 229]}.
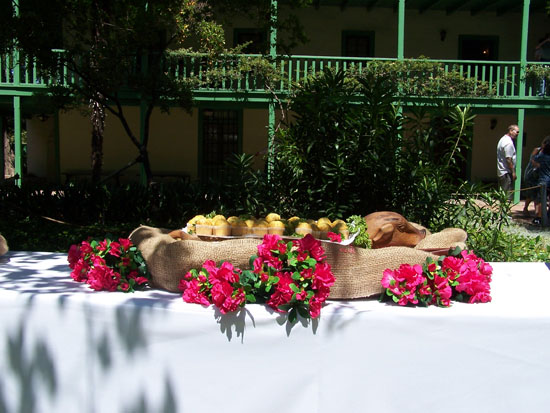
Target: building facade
{"type": "Point", "coordinates": [491, 41]}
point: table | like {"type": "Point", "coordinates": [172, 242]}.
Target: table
{"type": "Point", "coordinates": [66, 348]}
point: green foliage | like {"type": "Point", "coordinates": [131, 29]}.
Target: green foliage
{"type": "Point", "coordinates": [357, 223]}
{"type": "Point", "coordinates": [332, 155]}
{"type": "Point", "coordinates": [421, 77]}
{"type": "Point", "coordinates": [351, 152]}
{"type": "Point", "coordinates": [53, 218]}
{"type": "Point", "coordinates": [245, 190]}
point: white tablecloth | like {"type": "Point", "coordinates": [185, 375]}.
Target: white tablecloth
{"type": "Point", "coordinates": [65, 348]}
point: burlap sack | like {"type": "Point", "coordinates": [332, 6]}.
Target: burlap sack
{"type": "Point", "coordinates": [447, 238]}
{"type": "Point", "coordinates": [358, 271]}
{"type": "Point", "coordinates": [3, 245]}
{"type": "Point", "coordinates": [169, 260]}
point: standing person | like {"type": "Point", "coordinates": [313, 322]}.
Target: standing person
{"type": "Point", "coordinates": [542, 163]}
{"type": "Point", "coordinates": [531, 180]}
{"type": "Point", "coordinates": [506, 159]}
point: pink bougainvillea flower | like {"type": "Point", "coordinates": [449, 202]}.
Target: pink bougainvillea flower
{"type": "Point", "coordinates": [210, 266]}
{"type": "Point", "coordinates": [315, 308]}
{"type": "Point", "coordinates": [97, 261]}
{"type": "Point", "coordinates": [80, 270]}
{"type": "Point", "coordinates": [480, 297]}
{"type": "Point", "coordinates": [74, 255]}
{"type": "Point", "coordinates": [141, 280]}
{"type": "Point", "coordinates": [191, 292]}
{"type": "Point", "coordinates": [226, 272]}
{"type": "Point", "coordinates": [103, 278]}
{"type": "Point", "coordinates": [233, 302]}
{"type": "Point", "coordinates": [102, 246]}
{"type": "Point", "coordinates": [270, 243]}
{"type": "Point", "coordinates": [223, 297]}
{"type": "Point", "coordinates": [308, 243]}
{"type": "Point", "coordinates": [107, 265]}
{"type": "Point", "coordinates": [283, 293]}
{"type": "Point", "coordinates": [301, 296]}
{"type": "Point", "coordinates": [114, 249]}
{"type": "Point", "coordinates": [307, 273]}
{"type": "Point", "coordinates": [323, 275]}
{"type": "Point", "coordinates": [125, 243]}
{"type": "Point", "coordinates": [403, 282]}
{"type": "Point", "coordinates": [302, 256]}
{"type": "Point", "coordinates": [86, 248]}
{"type": "Point", "coordinates": [334, 237]}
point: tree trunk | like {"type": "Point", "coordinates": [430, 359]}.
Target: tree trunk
{"type": "Point", "coordinates": [144, 155]}
{"type": "Point", "coordinates": [97, 117]}
{"type": "Point", "coordinates": [98, 126]}
{"type": "Point", "coordinates": [8, 168]}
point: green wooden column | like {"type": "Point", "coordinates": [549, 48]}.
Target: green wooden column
{"type": "Point", "coordinates": [522, 85]}
{"type": "Point", "coordinates": [401, 30]}
{"type": "Point", "coordinates": [18, 152]}
{"type": "Point", "coordinates": [400, 47]}
{"type": "Point", "coordinates": [271, 105]}
{"type": "Point", "coordinates": [57, 151]}
{"type": "Point", "coordinates": [2, 154]}
{"type": "Point", "coordinates": [142, 114]}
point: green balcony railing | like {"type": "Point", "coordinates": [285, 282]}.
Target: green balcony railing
{"type": "Point", "coordinates": [247, 73]}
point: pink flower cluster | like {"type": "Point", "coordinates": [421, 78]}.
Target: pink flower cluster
{"type": "Point", "coordinates": [289, 277]}
{"type": "Point", "coordinates": [462, 277]}
{"type": "Point", "coordinates": [297, 272]}
{"type": "Point", "coordinates": [108, 265]}
{"type": "Point", "coordinates": [214, 285]}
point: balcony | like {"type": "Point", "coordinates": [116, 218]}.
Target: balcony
{"type": "Point", "coordinates": [242, 77]}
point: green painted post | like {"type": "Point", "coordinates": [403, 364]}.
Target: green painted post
{"type": "Point", "coordinates": [271, 119]}
{"type": "Point", "coordinates": [57, 151]}
{"type": "Point", "coordinates": [401, 30]}
{"type": "Point", "coordinates": [401, 47]}
{"type": "Point", "coordinates": [18, 153]}
{"type": "Point", "coordinates": [17, 138]}
{"type": "Point", "coordinates": [142, 113]}
{"type": "Point", "coordinates": [522, 85]}
{"type": "Point", "coordinates": [2, 154]}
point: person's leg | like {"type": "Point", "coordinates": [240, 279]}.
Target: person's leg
{"type": "Point", "coordinates": [528, 201]}
{"type": "Point", "coordinates": [505, 182]}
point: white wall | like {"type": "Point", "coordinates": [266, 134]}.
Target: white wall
{"type": "Point", "coordinates": [41, 148]}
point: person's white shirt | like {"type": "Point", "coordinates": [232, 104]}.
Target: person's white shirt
{"type": "Point", "coordinates": [505, 149]}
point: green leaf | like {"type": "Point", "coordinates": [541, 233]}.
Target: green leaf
{"type": "Point", "coordinates": [303, 311]}
{"type": "Point", "coordinates": [294, 288]}
{"type": "Point", "coordinates": [296, 275]}
{"type": "Point", "coordinates": [311, 262]}
{"type": "Point", "coordinates": [292, 315]}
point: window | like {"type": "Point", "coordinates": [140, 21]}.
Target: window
{"type": "Point", "coordinates": [256, 37]}
{"type": "Point", "coordinates": [220, 139]}
{"type": "Point", "coordinates": [471, 47]}
{"type": "Point", "coordinates": [357, 44]}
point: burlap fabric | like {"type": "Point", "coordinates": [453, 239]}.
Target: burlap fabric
{"type": "Point", "coordinates": [358, 271]}
{"type": "Point", "coordinates": [3, 245]}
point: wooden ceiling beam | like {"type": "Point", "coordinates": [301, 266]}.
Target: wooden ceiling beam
{"type": "Point", "coordinates": [454, 6]}
{"type": "Point", "coordinates": [480, 7]}
{"type": "Point", "coordinates": [427, 5]}
{"type": "Point", "coordinates": [370, 4]}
